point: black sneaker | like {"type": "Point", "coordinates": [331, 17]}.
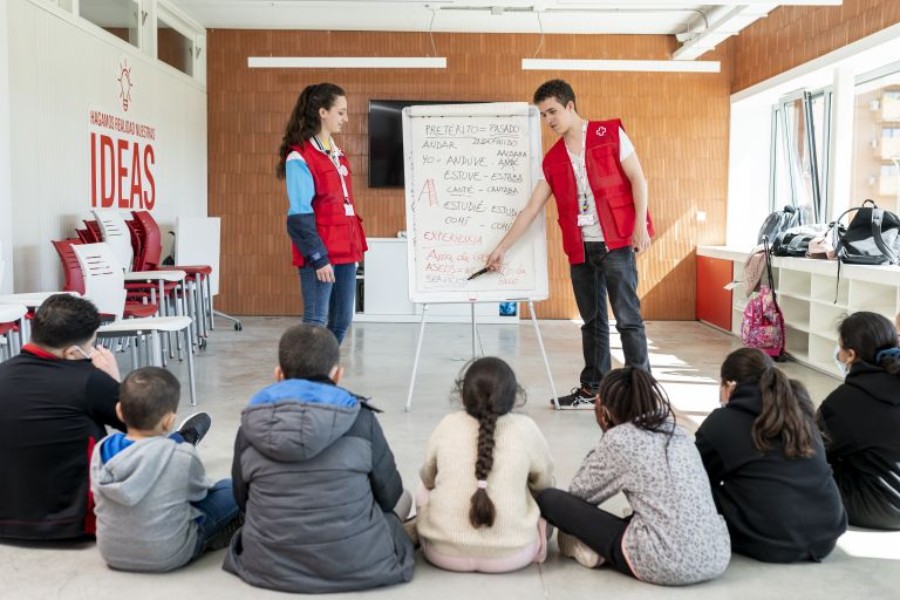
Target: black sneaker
{"type": "Point", "coordinates": [195, 427]}
{"type": "Point", "coordinates": [578, 399]}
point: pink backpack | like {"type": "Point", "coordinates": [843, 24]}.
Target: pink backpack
{"type": "Point", "coordinates": [763, 323]}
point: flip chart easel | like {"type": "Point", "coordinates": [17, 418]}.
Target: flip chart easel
{"type": "Point", "coordinates": [421, 338]}
{"type": "Point", "coordinates": [470, 169]}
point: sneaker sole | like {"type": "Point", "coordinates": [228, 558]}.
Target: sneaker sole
{"type": "Point", "coordinates": [573, 407]}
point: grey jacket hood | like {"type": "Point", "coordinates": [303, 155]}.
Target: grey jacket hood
{"type": "Point", "coordinates": [296, 419]}
{"type": "Point", "coordinates": [128, 476]}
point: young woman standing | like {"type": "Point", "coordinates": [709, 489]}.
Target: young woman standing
{"type": "Point", "coordinates": [327, 234]}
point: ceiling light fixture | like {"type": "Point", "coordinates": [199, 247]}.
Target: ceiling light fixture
{"type": "Point", "coordinates": [347, 62]}
{"type": "Point", "coordinates": [640, 66]}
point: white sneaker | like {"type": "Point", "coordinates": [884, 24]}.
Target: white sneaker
{"type": "Point", "coordinates": [571, 546]}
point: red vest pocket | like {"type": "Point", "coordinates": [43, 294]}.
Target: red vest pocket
{"type": "Point", "coordinates": [621, 209]}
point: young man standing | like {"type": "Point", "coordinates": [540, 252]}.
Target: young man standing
{"type": "Point", "coordinates": [601, 195]}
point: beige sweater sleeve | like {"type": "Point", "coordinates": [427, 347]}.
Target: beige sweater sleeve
{"type": "Point", "coordinates": [428, 472]}
{"type": "Point", "coordinates": [541, 475]}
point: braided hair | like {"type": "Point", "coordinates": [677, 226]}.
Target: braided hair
{"type": "Point", "coordinates": [488, 391]}
{"type": "Point", "coordinates": [305, 121]}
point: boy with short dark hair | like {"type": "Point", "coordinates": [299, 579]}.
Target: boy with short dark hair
{"type": "Point", "coordinates": [156, 509]}
{"type": "Point", "coordinates": [324, 485]}
{"type": "Point", "coordinates": [56, 399]}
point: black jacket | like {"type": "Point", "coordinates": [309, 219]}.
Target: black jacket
{"type": "Point", "coordinates": [777, 509]}
{"type": "Point", "coordinates": [51, 413]}
{"type": "Point", "coordinates": [317, 482]}
{"type": "Point", "coordinates": [860, 421]}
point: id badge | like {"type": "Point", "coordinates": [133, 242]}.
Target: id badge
{"type": "Point", "coordinates": [585, 219]}
{"type": "Point", "coordinates": [348, 209]}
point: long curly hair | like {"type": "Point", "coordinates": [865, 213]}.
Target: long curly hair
{"type": "Point", "coordinates": [304, 121]}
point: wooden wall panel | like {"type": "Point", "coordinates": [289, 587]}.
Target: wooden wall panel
{"type": "Point", "coordinates": [793, 35]}
{"type": "Point", "coordinates": [678, 122]}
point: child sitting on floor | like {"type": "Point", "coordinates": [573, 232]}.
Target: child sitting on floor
{"type": "Point", "coordinates": [476, 511]}
{"type": "Point", "coordinates": [156, 509]}
{"type": "Point", "coordinates": [674, 536]}
{"type": "Point", "coordinates": [766, 464]}
{"type": "Point", "coordinates": [317, 481]}
{"type": "Point", "coordinates": [860, 421]}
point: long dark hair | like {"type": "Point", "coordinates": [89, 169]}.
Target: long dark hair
{"type": "Point", "coordinates": [787, 411]}
{"type": "Point", "coordinates": [488, 390]}
{"type": "Point", "coordinates": [632, 395]}
{"type": "Point", "coordinates": [868, 334]}
{"type": "Point", "coordinates": [305, 121]}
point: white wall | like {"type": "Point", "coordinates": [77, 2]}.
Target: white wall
{"type": "Point", "coordinates": [750, 133]}
{"type": "Point", "coordinates": [6, 240]}
{"type": "Point", "coordinates": [60, 69]}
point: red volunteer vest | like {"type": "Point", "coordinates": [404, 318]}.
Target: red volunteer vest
{"type": "Point", "coordinates": [610, 185]}
{"type": "Point", "coordinates": [342, 235]}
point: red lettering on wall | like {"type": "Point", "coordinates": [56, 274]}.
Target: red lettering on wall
{"type": "Point", "coordinates": [149, 160]}
{"type": "Point", "coordinates": [106, 170]}
{"type": "Point", "coordinates": [121, 172]}
{"type": "Point", "coordinates": [93, 172]}
{"type": "Point", "coordinates": [136, 189]}
{"type": "Point", "coordinates": [124, 169]}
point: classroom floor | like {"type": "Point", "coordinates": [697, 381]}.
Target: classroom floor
{"type": "Point", "coordinates": [378, 360]}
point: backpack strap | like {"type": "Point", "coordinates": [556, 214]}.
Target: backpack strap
{"type": "Point", "coordinates": [877, 221]}
{"type": "Point", "coordinates": [769, 273]}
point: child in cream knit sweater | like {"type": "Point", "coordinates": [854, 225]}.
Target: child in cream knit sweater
{"type": "Point", "coordinates": [476, 510]}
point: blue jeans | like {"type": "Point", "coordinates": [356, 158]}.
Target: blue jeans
{"type": "Point", "coordinates": [612, 273]}
{"type": "Point", "coordinates": [329, 304]}
{"type": "Point", "coordinates": [219, 510]}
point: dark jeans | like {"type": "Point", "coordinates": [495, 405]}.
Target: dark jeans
{"type": "Point", "coordinates": [614, 273]}
{"type": "Point", "coordinates": [601, 531]}
{"type": "Point", "coordinates": [219, 509]}
{"type": "Point", "coordinates": [329, 304]}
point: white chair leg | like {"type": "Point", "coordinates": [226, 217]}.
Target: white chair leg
{"type": "Point", "coordinates": [190, 364]}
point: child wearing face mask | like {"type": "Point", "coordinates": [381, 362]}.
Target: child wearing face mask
{"type": "Point", "coordinates": [860, 421]}
{"type": "Point", "coordinates": [766, 464]}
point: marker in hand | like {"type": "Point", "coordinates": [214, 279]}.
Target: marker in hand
{"type": "Point", "coordinates": [477, 273]}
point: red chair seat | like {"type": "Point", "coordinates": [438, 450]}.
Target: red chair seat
{"type": "Point", "coordinates": [135, 309]}
{"type": "Point", "coordinates": [193, 269]}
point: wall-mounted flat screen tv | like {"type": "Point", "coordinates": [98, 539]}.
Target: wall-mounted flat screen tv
{"type": "Point", "coordinates": [386, 140]}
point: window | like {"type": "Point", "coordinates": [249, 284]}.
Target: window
{"type": "Point", "coordinates": [876, 139]}
{"type": "Point", "coordinates": [174, 48]}
{"type": "Point", "coordinates": [118, 17]}
{"type": "Point", "coordinates": [799, 153]}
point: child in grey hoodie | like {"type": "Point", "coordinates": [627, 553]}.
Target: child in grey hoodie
{"type": "Point", "coordinates": [156, 509]}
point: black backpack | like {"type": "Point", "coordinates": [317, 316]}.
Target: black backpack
{"type": "Point", "coordinates": [795, 241]}
{"type": "Point", "coordinates": [872, 237]}
{"type": "Point", "coordinates": [780, 221]}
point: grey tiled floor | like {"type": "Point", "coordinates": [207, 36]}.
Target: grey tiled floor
{"type": "Point", "coordinates": [378, 360]}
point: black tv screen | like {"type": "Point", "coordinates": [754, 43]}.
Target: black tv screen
{"type": "Point", "coordinates": [386, 140]}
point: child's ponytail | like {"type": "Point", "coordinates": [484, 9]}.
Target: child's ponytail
{"type": "Point", "coordinates": [787, 412]}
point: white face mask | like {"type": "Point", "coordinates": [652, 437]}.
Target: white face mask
{"type": "Point", "coordinates": [837, 361]}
